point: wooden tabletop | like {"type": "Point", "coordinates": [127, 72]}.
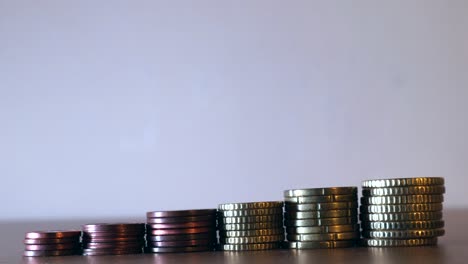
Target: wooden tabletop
{"type": "Point", "coordinates": [452, 248]}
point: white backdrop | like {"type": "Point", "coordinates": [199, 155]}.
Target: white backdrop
{"type": "Point", "coordinates": [114, 108]}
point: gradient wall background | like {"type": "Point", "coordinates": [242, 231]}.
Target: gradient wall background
{"type": "Point", "coordinates": [113, 108]}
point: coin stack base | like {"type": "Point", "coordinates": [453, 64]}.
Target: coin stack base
{"type": "Point", "coordinates": [113, 239]}
{"type": "Point", "coordinates": [52, 243]}
{"type": "Point", "coordinates": [321, 218]}
{"type": "Point", "coordinates": [250, 226]}
{"type": "Point", "coordinates": [402, 212]}
{"type": "Point", "coordinates": [181, 231]}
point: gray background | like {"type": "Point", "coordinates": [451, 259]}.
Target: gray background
{"type": "Point", "coordinates": [114, 108]}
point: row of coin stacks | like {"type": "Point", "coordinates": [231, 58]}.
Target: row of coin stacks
{"type": "Point", "coordinates": [393, 212]}
{"type": "Point", "coordinates": [402, 212]}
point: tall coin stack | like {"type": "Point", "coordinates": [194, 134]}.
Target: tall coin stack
{"type": "Point", "coordinates": [113, 239]}
{"type": "Point", "coordinates": [52, 243]}
{"type": "Point", "coordinates": [181, 231]}
{"type": "Point", "coordinates": [402, 212]}
{"type": "Point", "coordinates": [321, 218]}
{"type": "Point", "coordinates": [250, 226]}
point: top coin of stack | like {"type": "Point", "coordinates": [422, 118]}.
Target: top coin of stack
{"type": "Point", "coordinates": [402, 212]}
{"type": "Point", "coordinates": [321, 217]}
{"type": "Point", "coordinates": [250, 226]}
{"type": "Point", "coordinates": [113, 239]}
{"type": "Point", "coordinates": [52, 243]}
{"type": "Point", "coordinates": [181, 231]}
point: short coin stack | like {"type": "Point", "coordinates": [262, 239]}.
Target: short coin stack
{"type": "Point", "coordinates": [402, 212]}
{"type": "Point", "coordinates": [250, 226]}
{"type": "Point", "coordinates": [321, 218]}
{"type": "Point", "coordinates": [52, 243]}
{"type": "Point", "coordinates": [113, 239]}
{"type": "Point", "coordinates": [181, 231]}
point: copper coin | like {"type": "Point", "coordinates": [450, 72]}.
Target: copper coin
{"type": "Point", "coordinates": [186, 243]}
{"type": "Point", "coordinates": [203, 236]}
{"type": "Point", "coordinates": [53, 234]}
{"type": "Point", "coordinates": [114, 245]}
{"type": "Point", "coordinates": [112, 239]}
{"type": "Point", "coordinates": [97, 252]}
{"type": "Point", "coordinates": [45, 253]}
{"type": "Point", "coordinates": [53, 246]}
{"type": "Point", "coordinates": [181, 225]}
{"type": "Point", "coordinates": [112, 235]}
{"type": "Point", "coordinates": [181, 213]}
{"type": "Point", "coordinates": [181, 231]}
{"type": "Point", "coordinates": [178, 249]}
{"type": "Point", "coordinates": [114, 227]}
{"type": "Point", "coordinates": [181, 219]}
{"type": "Point", "coordinates": [47, 241]}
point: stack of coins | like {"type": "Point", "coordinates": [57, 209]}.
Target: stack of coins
{"type": "Point", "coordinates": [113, 239]}
{"type": "Point", "coordinates": [52, 243]}
{"type": "Point", "coordinates": [181, 231]}
{"type": "Point", "coordinates": [321, 218]}
{"type": "Point", "coordinates": [402, 212]}
{"type": "Point", "coordinates": [250, 226]}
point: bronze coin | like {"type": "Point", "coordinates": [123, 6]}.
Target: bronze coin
{"type": "Point", "coordinates": [181, 225]}
{"type": "Point", "coordinates": [181, 213]}
{"type": "Point", "coordinates": [54, 234]}
{"type": "Point", "coordinates": [181, 219]}
{"type": "Point", "coordinates": [181, 231]}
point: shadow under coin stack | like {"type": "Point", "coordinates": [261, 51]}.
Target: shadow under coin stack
{"type": "Point", "coordinates": [321, 218]}
{"type": "Point", "coordinates": [250, 226]}
{"type": "Point", "coordinates": [113, 239]}
{"type": "Point", "coordinates": [402, 212]}
{"type": "Point", "coordinates": [181, 231]}
{"type": "Point", "coordinates": [52, 243]}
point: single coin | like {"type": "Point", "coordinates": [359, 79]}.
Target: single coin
{"type": "Point", "coordinates": [397, 182]}
{"type": "Point", "coordinates": [250, 219]}
{"type": "Point", "coordinates": [178, 249]}
{"type": "Point", "coordinates": [320, 191]}
{"type": "Point", "coordinates": [181, 225]}
{"type": "Point", "coordinates": [321, 222]}
{"type": "Point", "coordinates": [322, 198]}
{"type": "Point", "coordinates": [252, 239]}
{"type": "Point", "coordinates": [252, 205]}
{"type": "Point", "coordinates": [180, 231]}
{"type": "Point", "coordinates": [185, 243]}
{"type": "Point", "coordinates": [323, 229]}
{"type": "Point", "coordinates": [319, 244]}
{"type": "Point", "coordinates": [401, 208]}
{"type": "Point", "coordinates": [258, 246]}
{"type": "Point", "coordinates": [402, 225]}
{"type": "Point", "coordinates": [53, 246]}
{"type": "Point", "coordinates": [402, 199]}
{"type": "Point", "coordinates": [409, 190]}
{"type": "Point", "coordinates": [53, 234]}
{"type": "Point", "coordinates": [45, 253]}
{"type": "Point", "coordinates": [181, 213]}
{"type": "Point", "coordinates": [377, 242]}
{"type": "Point", "coordinates": [180, 219]}
{"type": "Point", "coordinates": [200, 236]}
{"type": "Point", "coordinates": [121, 245]}
{"type": "Point", "coordinates": [321, 214]}
{"type": "Point", "coordinates": [251, 212]}
{"type": "Point", "coordinates": [319, 206]}
{"type": "Point", "coordinates": [119, 251]}
{"type": "Point", "coordinates": [413, 216]}
{"type": "Point", "coordinates": [404, 234]}
{"type": "Point", "coordinates": [114, 227]}
{"type": "Point", "coordinates": [324, 236]}
{"type": "Point", "coordinates": [250, 226]}
{"type": "Point", "coordinates": [51, 241]}
{"type": "Point", "coordinates": [113, 239]}
{"type": "Point", "coordinates": [248, 233]}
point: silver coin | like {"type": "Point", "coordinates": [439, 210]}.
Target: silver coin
{"type": "Point", "coordinates": [402, 225]}
{"type": "Point", "coordinates": [320, 191]}
{"type": "Point", "coordinates": [319, 244]}
{"type": "Point", "coordinates": [250, 226]}
{"type": "Point", "coordinates": [322, 198]}
{"type": "Point", "coordinates": [403, 234]}
{"type": "Point", "coordinates": [323, 229]}
{"type": "Point", "coordinates": [250, 219]}
{"type": "Point", "coordinates": [403, 182]}
{"type": "Point", "coordinates": [321, 214]}
{"type": "Point", "coordinates": [401, 208]}
{"type": "Point", "coordinates": [292, 207]}
{"type": "Point", "coordinates": [321, 222]}
{"type": "Point", "coordinates": [377, 242]}
{"type": "Point", "coordinates": [251, 205]}
{"type": "Point", "coordinates": [239, 247]}
{"type": "Point", "coordinates": [324, 236]}
{"type": "Point", "coordinates": [255, 232]}
{"type": "Point", "coordinates": [409, 190]}
{"type": "Point", "coordinates": [403, 199]}
{"type": "Point", "coordinates": [251, 212]}
{"type": "Point", "coordinates": [413, 216]}
{"type": "Point", "coordinates": [252, 239]}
